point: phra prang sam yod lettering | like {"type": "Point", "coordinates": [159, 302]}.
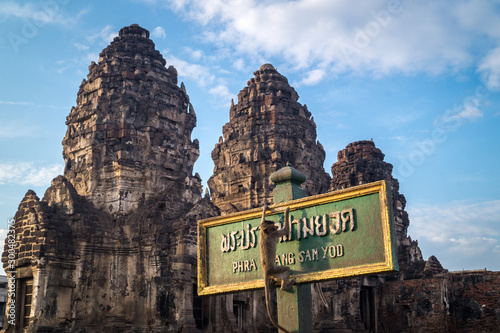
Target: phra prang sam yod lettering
{"type": "Point", "coordinates": [289, 259]}
{"type": "Point", "coordinates": [321, 225]}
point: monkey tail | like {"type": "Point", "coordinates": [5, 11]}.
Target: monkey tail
{"type": "Point", "coordinates": [321, 295]}
{"type": "Point", "coordinates": [266, 289]}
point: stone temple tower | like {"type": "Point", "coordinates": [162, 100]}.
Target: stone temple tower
{"type": "Point", "coordinates": [361, 163]}
{"type": "Point", "coordinates": [111, 247]}
{"type": "Point", "coordinates": [266, 129]}
{"type": "Point", "coordinates": [129, 137]}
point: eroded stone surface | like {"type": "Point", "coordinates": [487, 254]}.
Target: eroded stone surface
{"type": "Point", "coordinates": [354, 299]}
{"type": "Point", "coordinates": [111, 247]}
{"type": "Point", "coordinates": [267, 128]}
{"type": "Point", "coordinates": [361, 163]}
{"type": "Point", "coordinates": [129, 137]}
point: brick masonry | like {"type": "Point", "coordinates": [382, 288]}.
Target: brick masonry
{"type": "Point", "coordinates": [111, 246]}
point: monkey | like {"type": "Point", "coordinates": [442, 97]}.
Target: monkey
{"type": "Point", "coordinates": [268, 238]}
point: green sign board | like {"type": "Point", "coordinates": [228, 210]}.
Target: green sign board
{"type": "Point", "coordinates": [335, 235]}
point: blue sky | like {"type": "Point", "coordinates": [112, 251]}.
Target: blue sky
{"type": "Point", "coordinates": [422, 78]}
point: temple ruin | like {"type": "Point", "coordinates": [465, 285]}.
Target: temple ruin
{"type": "Point", "coordinates": [111, 246]}
{"type": "Point", "coordinates": [267, 128]}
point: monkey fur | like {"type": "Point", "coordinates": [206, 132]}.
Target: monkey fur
{"type": "Point", "coordinates": [268, 239]}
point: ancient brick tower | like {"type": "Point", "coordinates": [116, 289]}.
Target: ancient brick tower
{"type": "Point", "coordinates": [111, 247]}
{"type": "Point", "coordinates": [361, 163]}
{"type": "Point", "coordinates": [266, 129]}
{"type": "Point", "coordinates": [131, 128]}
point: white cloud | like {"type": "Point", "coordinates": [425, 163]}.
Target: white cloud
{"type": "Point", "coordinates": [198, 73]}
{"type": "Point", "coordinates": [474, 246]}
{"type": "Point", "coordinates": [3, 235]}
{"type": "Point", "coordinates": [201, 75]}
{"type": "Point", "coordinates": [195, 54]}
{"type": "Point", "coordinates": [159, 32]}
{"type": "Point", "coordinates": [313, 77]}
{"type": "Point", "coordinates": [26, 103]}
{"type": "Point", "coordinates": [40, 13]}
{"type": "Point", "coordinates": [90, 49]}
{"type": "Point", "coordinates": [489, 67]}
{"type": "Point", "coordinates": [400, 138]}
{"type": "Point", "coordinates": [17, 129]}
{"type": "Point", "coordinates": [81, 47]}
{"type": "Point", "coordinates": [457, 116]}
{"type": "Point", "coordinates": [470, 112]}
{"type": "Point", "coordinates": [26, 173]}
{"type": "Point", "coordinates": [462, 235]}
{"type": "Point", "coordinates": [336, 36]}
{"type": "Point", "coordinates": [222, 92]}
{"type": "Point", "coordinates": [239, 64]}
{"type": "Point", "coordinates": [16, 103]}
{"type": "Point", "coordinates": [465, 112]}
{"type": "Point", "coordinates": [36, 12]}
{"type": "Point", "coordinates": [106, 35]}
{"type": "Point", "coordinates": [455, 220]}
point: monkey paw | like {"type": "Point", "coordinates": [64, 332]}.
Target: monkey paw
{"type": "Point", "coordinates": [288, 285]}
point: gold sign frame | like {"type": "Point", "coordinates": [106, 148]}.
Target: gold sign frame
{"type": "Point", "coordinates": [389, 264]}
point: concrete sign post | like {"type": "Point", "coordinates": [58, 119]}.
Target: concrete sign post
{"type": "Point", "coordinates": [335, 235]}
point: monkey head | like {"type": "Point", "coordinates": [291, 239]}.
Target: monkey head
{"type": "Point", "coordinates": [268, 227]}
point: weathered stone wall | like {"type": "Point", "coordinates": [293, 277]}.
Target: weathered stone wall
{"type": "Point", "coordinates": [266, 129]}
{"type": "Point", "coordinates": [129, 137]}
{"type": "Point", "coordinates": [95, 272]}
{"type": "Point", "coordinates": [449, 302]}
{"type": "Point", "coordinates": [408, 306]}
{"type": "Point", "coordinates": [111, 247]}
{"type": "Point", "coordinates": [355, 305]}
{"type": "Point", "coordinates": [423, 296]}
{"type": "Point", "coordinates": [475, 301]}
{"type": "Point", "coordinates": [39, 237]}
{"type": "Point", "coordinates": [361, 163]}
